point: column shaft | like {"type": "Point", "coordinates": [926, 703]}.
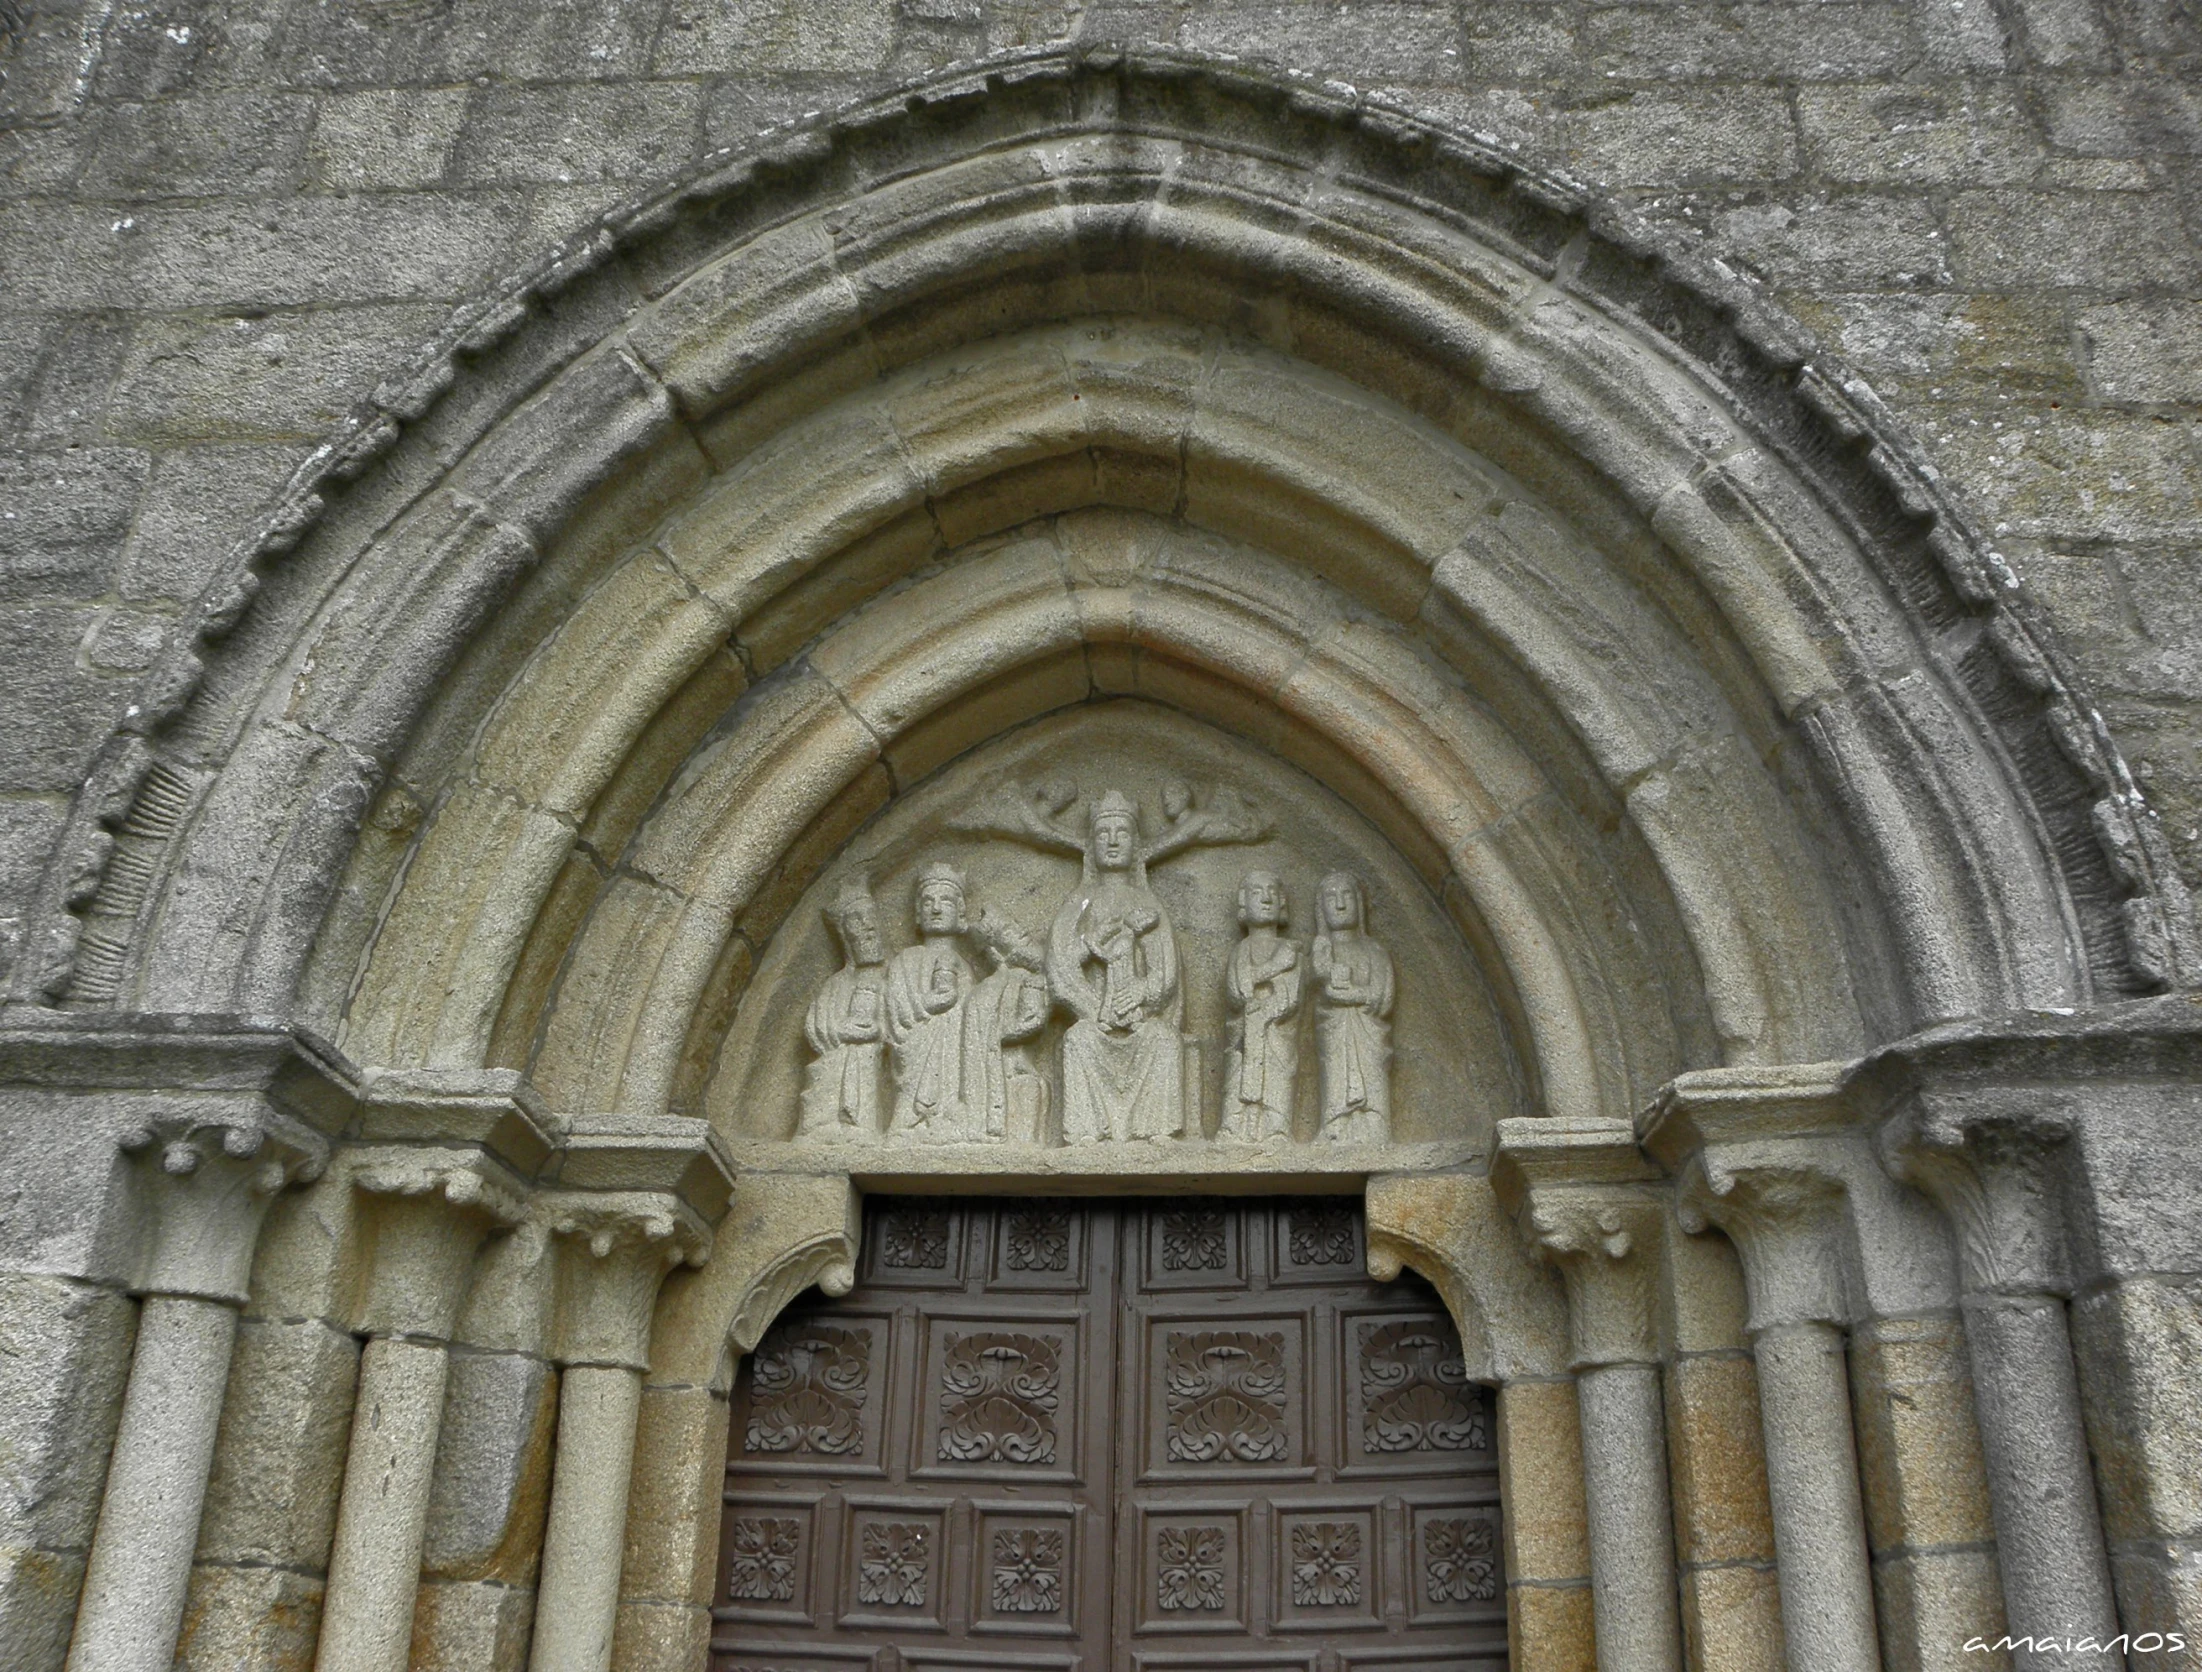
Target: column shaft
{"type": "Point", "coordinates": [1631, 1527]}
{"type": "Point", "coordinates": [140, 1567]}
{"type": "Point", "coordinates": [374, 1570]}
{"type": "Point", "coordinates": [1819, 1519]}
{"type": "Point", "coordinates": [2049, 1535]}
{"type": "Point", "coordinates": [577, 1603]}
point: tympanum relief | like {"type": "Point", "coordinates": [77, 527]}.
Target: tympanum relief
{"type": "Point", "coordinates": [959, 1009]}
{"type": "Point", "coordinates": [1110, 936]}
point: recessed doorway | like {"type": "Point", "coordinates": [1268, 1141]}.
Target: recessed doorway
{"type": "Point", "coordinates": [1156, 1436]}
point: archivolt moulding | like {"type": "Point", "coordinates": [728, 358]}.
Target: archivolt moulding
{"type": "Point", "coordinates": [1510, 311]}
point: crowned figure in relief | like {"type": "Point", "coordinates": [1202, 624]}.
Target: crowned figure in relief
{"type": "Point", "coordinates": [1353, 1009]}
{"type": "Point", "coordinates": [846, 1024]}
{"type": "Point", "coordinates": [1112, 962]}
{"type": "Point", "coordinates": [927, 985]}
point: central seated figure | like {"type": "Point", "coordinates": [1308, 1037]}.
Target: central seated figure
{"type": "Point", "coordinates": [1112, 962]}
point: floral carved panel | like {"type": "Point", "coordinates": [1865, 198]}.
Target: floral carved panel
{"type": "Point", "coordinates": [807, 1386]}
{"type": "Point", "coordinates": [999, 1394]}
{"type": "Point", "coordinates": [1226, 1396]}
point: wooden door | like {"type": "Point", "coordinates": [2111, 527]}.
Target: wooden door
{"type": "Point", "coordinates": [1095, 1437]}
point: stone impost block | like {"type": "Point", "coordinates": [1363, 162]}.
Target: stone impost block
{"type": "Point", "coordinates": [1584, 1194]}
{"type": "Point", "coordinates": [782, 1233]}
{"type": "Point", "coordinates": [178, 1132]}
{"type": "Point", "coordinates": [1452, 1228]}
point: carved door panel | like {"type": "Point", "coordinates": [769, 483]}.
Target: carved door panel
{"type": "Point", "coordinates": [1306, 1479]}
{"type": "Point", "coordinates": [1055, 1437]}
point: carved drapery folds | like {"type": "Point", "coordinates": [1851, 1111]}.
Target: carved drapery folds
{"type": "Point", "coordinates": [940, 1041]}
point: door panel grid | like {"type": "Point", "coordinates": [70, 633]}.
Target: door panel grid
{"type": "Point", "coordinates": [1103, 1437]}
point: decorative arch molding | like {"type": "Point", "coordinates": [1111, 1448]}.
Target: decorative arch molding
{"type": "Point", "coordinates": [1816, 565]}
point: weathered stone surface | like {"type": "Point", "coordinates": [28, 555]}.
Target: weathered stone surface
{"type": "Point", "coordinates": [221, 227]}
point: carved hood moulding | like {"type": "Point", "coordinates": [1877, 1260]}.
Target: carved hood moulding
{"type": "Point", "coordinates": [1655, 654]}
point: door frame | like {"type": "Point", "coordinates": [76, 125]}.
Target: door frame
{"type": "Point", "coordinates": [787, 1231]}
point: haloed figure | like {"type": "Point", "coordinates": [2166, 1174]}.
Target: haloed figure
{"type": "Point", "coordinates": [926, 986]}
{"type": "Point", "coordinates": [1262, 982]}
{"type": "Point", "coordinates": [1353, 1008]}
{"type": "Point", "coordinates": [845, 1025]}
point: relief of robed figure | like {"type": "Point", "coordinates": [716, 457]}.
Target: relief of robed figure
{"type": "Point", "coordinates": [1005, 1095]}
{"type": "Point", "coordinates": [927, 985]}
{"type": "Point", "coordinates": [1353, 1008]}
{"type": "Point", "coordinates": [1262, 981]}
{"type": "Point", "coordinates": [1112, 962]}
{"type": "Point", "coordinates": [846, 1025]}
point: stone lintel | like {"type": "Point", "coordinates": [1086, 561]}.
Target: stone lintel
{"type": "Point", "coordinates": [1165, 1165]}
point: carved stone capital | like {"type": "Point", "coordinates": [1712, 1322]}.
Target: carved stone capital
{"type": "Point", "coordinates": [142, 1151]}
{"type": "Point", "coordinates": [208, 1180]}
{"type": "Point", "coordinates": [1785, 1220]}
{"type": "Point", "coordinates": [438, 1162]}
{"type": "Point", "coordinates": [613, 1252]}
{"type": "Point", "coordinates": [2049, 1138]}
{"type": "Point", "coordinates": [1584, 1195]}
{"type": "Point", "coordinates": [1779, 1159]}
{"type": "Point", "coordinates": [1999, 1179]}
{"type": "Point", "coordinates": [632, 1198]}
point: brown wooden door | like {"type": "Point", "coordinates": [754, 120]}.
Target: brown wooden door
{"type": "Point", "coordinates": [1146, 1437]}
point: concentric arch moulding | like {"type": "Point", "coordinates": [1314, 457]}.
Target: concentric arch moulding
{"type": "Point", "coordinates": [1116, 943]}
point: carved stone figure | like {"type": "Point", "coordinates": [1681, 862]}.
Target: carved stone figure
{"type": "Point", "coordinates": [1004, 1094]}
{"type": "Point", "coordinates": [1112, 961]}
{"type": "Point", "coordinates": [1262, 982]}
{"type": "Point", "coordinates": [1353, 1008]}
{"type": "Point", "coordinates": [845, 1025]}
{"type": "Point", "coordinates": [926, 988]}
